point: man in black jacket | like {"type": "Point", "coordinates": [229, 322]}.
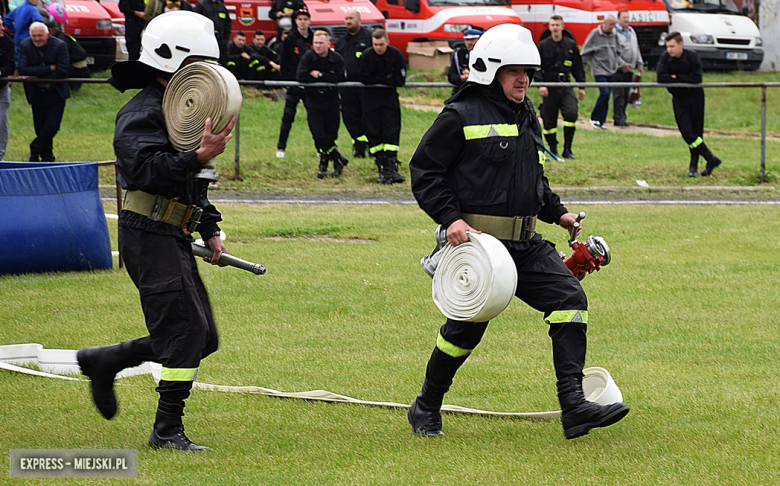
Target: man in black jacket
{"type": "Point", "coordinates": [351, 47]}
{"type": "Point", "coordinates": [560, 60]}
{"type": "Point", "coordinates": [263, 61]}
{"type": "Point", "coordinates": [134, 25]}
{"type": "Point", "coordinates": [43, 56]}
{"type": "Point", "coordinates": [164, 204]}
{"type": "Point", "coordinates": [679, 65]}
{"type": "Point", "coordinates": [322, 104]}
{"type": "Point", "coordinates": [295, 46]}
{"type": "Point", "coordinates": [238, 56]}
{"type": "Point", "coordinates": [458, 72]}
{"type": "Point", "coordinates": [481, 164]}
{"type": "Point", "coordinates": [218, 13]}
{"type": "Point", "coordinates": [383, 64]}
{"type": "Point", "coordinates": [7, 67]}
{"type": "Point", "coordinates": [281, 9]}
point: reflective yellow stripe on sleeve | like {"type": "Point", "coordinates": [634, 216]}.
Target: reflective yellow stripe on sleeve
{"type": "Point", "coordinates": [473, 132]}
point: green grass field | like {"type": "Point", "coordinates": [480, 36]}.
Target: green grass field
{"type": "Point", "coordinates": [605, 158]}
{"type": "Point", "coordinates": [684, 319]}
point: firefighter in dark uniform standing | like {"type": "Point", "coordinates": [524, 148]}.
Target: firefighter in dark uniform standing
{"type": "Point", "coordinates": [134, 25]}
{"type": "Point", "coordinates": [295, 46]}
{"type": "Point", "coordinates": [383, 64]}
{"type": "Point", "coordinates": [482, 159]}
{"type": "Point", "coordinates": [560, 60]}
{"type": "Point", "coordinates": [162, 206]}
{"type": "Point", "coordinates": [323, 65]}
{"type": "Point", "coordinates": [218, 13]}
{"type": "Point", "coordinates": [281, 9]}
{"type": "Point", "coordinates": [679, 65]}
{"type": "Point", "coordinates": [351, 47]}
{"type": "Point", "coordinates": [459, 62]}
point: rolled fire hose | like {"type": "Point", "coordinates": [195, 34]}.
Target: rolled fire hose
{"type": "Point", "coordinates": [474, 281]}
{"type": "Point", "coordinates": [597, 385]}
{"type": "Point", "coordinates": [196, 92]}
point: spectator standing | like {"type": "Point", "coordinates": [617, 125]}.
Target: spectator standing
{"type": "Point", "coordinates": [459, 62]}
{"type": "Point", "coordinates": [680, 65]}
{"type": "Point", "coordinates": [560, 60]}
{"type": "Point", "coordinates": [238, 55]}
{"type": "Point", "coordinates": [281, 9]}
{"type": "Point", "coordinates": [351, 47]}
{"type": "Point", "coordinates": [77, 54]}
{"type": "Point", "coordinates": [19, 19]}
{"type": "Point", "coordinates": [628, 50]}
{"type": "Point", "coordinates": [134, 11]}
{"type": "Point", "coordinates": [264, 61]}
{"type": "Point", "coordinates": [218, 13]}
{"type": "Point", "coordinates": [157, 7]}
{"type": "Point", "coordinates": [7, 67]}
{"type": "Point", "coordinates": [601, 50]}
{"type": "Point", "coordinates": [43, 56]}
{"type": "Point", "coordinates": [383, 64]}
{"type": "Point", "coordinates": [322, 65]}
{"type": "Point", "coordinates": [296, 44]}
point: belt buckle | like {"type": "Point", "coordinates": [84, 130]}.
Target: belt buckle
{"type": "Point", "coordinates": [525, 233]}
{"type": "Point", "coordinates": [156, 208]}
{"type": "Point", "coordinates": [191, 223]}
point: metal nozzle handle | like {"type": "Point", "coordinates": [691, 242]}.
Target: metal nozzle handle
{"type": "Point", "coordinates": [256, 268]}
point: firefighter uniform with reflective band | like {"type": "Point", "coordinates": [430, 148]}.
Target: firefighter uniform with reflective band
{"type": "Point", "coordinates": [158, 255]}
{"type": "Point", "coordinates": [235, 62]}
{"type": "Point", "coordinates": [284, 6]}
{"type": "Point", "coordinates": [322, 104]}
{"type": "Point", "coordinates": [688, 103]}
{"type": "Point", "coordinates": [218, 13]}
{"type": "Point", "coordinates": [381, 108]}
{"type": "Point", "coordinates": [351, 48]}
{"type": "Point", "coordinates": [260, 63]}
{"type": "Point", "coordinates": [483, 155]}
{"type": "Point", "coordinates": [560, 61]}
{"type": "Point", "coordinates": [294, 47]}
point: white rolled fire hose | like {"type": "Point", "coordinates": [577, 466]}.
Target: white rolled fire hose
{"type": "Point", "coordinates": [474, 281]}
{"type": "Point", "coordinates": [598, 385]}
{"type": "Point", "coordinates": [196, 92]}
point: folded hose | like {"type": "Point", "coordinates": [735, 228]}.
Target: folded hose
{"type": "Point", "coordinates": [474, 281]}
{"type": "Point", "coordinates": [198, 91]}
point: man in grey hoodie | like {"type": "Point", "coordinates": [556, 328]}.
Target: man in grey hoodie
{"type": "Point", "coordinates": [601, 50]}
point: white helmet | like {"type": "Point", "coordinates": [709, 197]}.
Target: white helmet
{"type": "Point", "coordinates": [172, 37]}
{"type": "Point", "coordinates": [503, 45]}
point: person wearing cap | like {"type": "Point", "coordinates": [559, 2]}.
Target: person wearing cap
{"type": "Point", "coordinates": [560, 60]}
{"type": "Point", "coordinates": [44, 56]}
{"type": "Point", "coordinates": [298, 43]}
{"type": "Point", "coordinates": [459, 62]}
{"type": "Point", "coordinates": [385, 65]}
{"type": "Point", "coordinates": [323, 65]}
{"type": "Point", "coordinates": [480, 166]}
{"type": "Point", "coordinates": [351, 46]}
{"type": "Point", "coordinates": [163, 203]}
{"type": "Point", "coordinates": [218, 13]}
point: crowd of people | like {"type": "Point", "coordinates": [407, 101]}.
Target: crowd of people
{"type": "Point", "coordinates": [611, 51]}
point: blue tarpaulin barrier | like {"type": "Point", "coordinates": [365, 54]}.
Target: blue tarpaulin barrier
{"type": "Point", "coordinates": [51, 218]}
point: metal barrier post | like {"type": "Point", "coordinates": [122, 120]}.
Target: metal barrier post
{"type": "Point", "coordinates": [237, 129]}
{"type": "Point", "coordinates": [762, 177]}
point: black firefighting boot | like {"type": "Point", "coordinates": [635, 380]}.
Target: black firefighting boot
{"type": "Point", "coordinates": [425, 411]}
{"type": "Point", "coordinates": [712, 160]}
{"type": "Point", "coordinates": [693, 168]}
{"type": "Point", "coordinates": [381, 164]}
{"type": "Point", "coordinates": [552, 143]}
{"type": "Point", "coordinates": [392, 176]}
{"type": "Point", "coordinates": [578, 415]}
{"type": "Point", "coordinates": [360, 150]}
{"type": "Point", "coordinates": [168, 432]}
{"type": "Point", "coordinates": [568, 138]}
{"type": "Point", "coordinates": [339, 162]}
{"type": "Point", "coordinates": [322, 170]}
{"type": "Point", "coordinates": [101, 364]}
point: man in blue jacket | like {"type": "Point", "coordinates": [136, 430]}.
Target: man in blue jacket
{"type": "Point", "coordinates": [19, 20]}
{"type": "Point", "coordinates": [43, 56]}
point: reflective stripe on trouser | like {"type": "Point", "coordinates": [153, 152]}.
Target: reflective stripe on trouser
{"type": "Point", "coordinates": [175, 304]}
{"type": "Point", "coordinates": [450, 349]}
{"type": "Point", "coordinates": [696, 143]}
{"type": "Point", "coordinates": [382, 119]}
{"type": "Point", "coordinates": [551, 131]}
{"type": "Point", "coordinates": [323, 119]}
